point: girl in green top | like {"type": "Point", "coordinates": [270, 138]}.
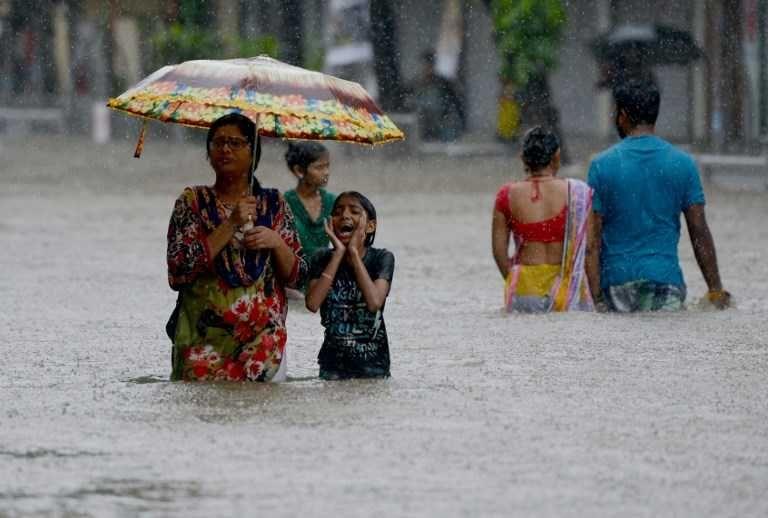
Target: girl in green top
{"type": "Point", "coordinates": [310, 203]}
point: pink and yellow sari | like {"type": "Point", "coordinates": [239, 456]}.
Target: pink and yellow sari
{"type": "Point", "coordinates": [564, 287]}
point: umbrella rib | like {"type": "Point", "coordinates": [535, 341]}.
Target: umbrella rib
{"type": "Point", "coordinates": [176, 106]}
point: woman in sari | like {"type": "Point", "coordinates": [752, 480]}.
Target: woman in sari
{"type": "Point", "coordinates": [547, 218]}
{"type": "Point", "coordinates": [232, 250]}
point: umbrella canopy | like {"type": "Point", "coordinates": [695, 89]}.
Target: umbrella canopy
{"type": "Point", "coordinates": [285, 101]}
{"type": "Point", "coordinates": [649, 43]}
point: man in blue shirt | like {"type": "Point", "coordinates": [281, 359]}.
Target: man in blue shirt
{"type": "Point", "coordinates": [641, 186]}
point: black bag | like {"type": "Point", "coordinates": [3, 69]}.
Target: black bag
{"type": "Point", "coordinates": [173, 320]}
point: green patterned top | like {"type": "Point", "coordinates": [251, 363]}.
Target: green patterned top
{"type": "Point", "coordinates": [311, 233]}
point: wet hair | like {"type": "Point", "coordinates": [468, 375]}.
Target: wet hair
{"type": "Point", "coordinates": [247, 128]}
{"type": "Point", "coordinates": [303, 153]}
{"type": "Point", "coordinates": [539, 147]}
{"type": "Point", "coordinates": [368, 207]}
{"type": "Point", "coordinates": [639, 99]}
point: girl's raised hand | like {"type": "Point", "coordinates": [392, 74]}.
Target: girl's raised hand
{"type": "Point", "coordinates": [357, 239]}
{"type": "Point", "coordinates": [337, 244]}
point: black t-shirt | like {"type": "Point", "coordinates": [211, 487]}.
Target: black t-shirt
{"type": "Point", "coordinates": [355, 343]}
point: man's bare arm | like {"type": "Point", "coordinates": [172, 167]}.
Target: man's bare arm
{"type": "Point", "coordinates": [704, 251]}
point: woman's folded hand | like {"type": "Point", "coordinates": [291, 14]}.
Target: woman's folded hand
{"type": "Point", "coordinates": [261, 238]}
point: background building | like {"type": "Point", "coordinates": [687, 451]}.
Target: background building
{"type": "Point", "coordinates": [64, 54]}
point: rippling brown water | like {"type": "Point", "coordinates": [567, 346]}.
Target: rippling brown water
{"type": "Point", "coordinates": [485, 415]}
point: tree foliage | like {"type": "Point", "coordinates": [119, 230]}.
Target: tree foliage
{"type": "Point", "coordinates": [192, 35]}
{"type": "Point", "coordinates": [528, 35]}
{"type": "Point", "coordinates": [178, 43]}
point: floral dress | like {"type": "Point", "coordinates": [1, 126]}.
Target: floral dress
{"type": "Point", "coordinates": [229, 321]}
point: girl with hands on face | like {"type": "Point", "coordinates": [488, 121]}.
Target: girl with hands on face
{"type": "Point", "coordinates": [349, 284]}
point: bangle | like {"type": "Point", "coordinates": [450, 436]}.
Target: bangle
{"type": "Point", "coordinates": [717, 295]}
{"type": "Point", "coordinates": [326, 276]}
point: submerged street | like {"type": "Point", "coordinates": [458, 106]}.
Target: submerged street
{"type": "Point", "coordinates": [484, 415]}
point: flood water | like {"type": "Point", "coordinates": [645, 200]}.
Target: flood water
{"type": "Point", "coordinates": [485, 414]}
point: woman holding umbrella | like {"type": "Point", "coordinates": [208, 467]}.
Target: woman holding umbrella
{"type": "Point", "coordinates": [232, 246]}
{"type": "Point", "coordinates": [232, 250]}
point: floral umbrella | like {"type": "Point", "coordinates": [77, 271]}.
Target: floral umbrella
{"type": "Point", "coordinates": [283, 100]}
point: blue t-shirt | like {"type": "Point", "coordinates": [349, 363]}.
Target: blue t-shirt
{"type": "Point", "coordinates": [642, 184]}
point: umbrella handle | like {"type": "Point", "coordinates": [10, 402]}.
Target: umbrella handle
{"type": "Point", "coordinates": [248, 224]}
{"type": "Point", "coordinates": [140, 142]}
{"type": "Point", "coordinates": [253, 153]}
{"type": "Point", "coordinates": [240, 231]}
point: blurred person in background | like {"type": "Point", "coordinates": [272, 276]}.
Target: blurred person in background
{"type": "Point", "coordinates": [438, 104]}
